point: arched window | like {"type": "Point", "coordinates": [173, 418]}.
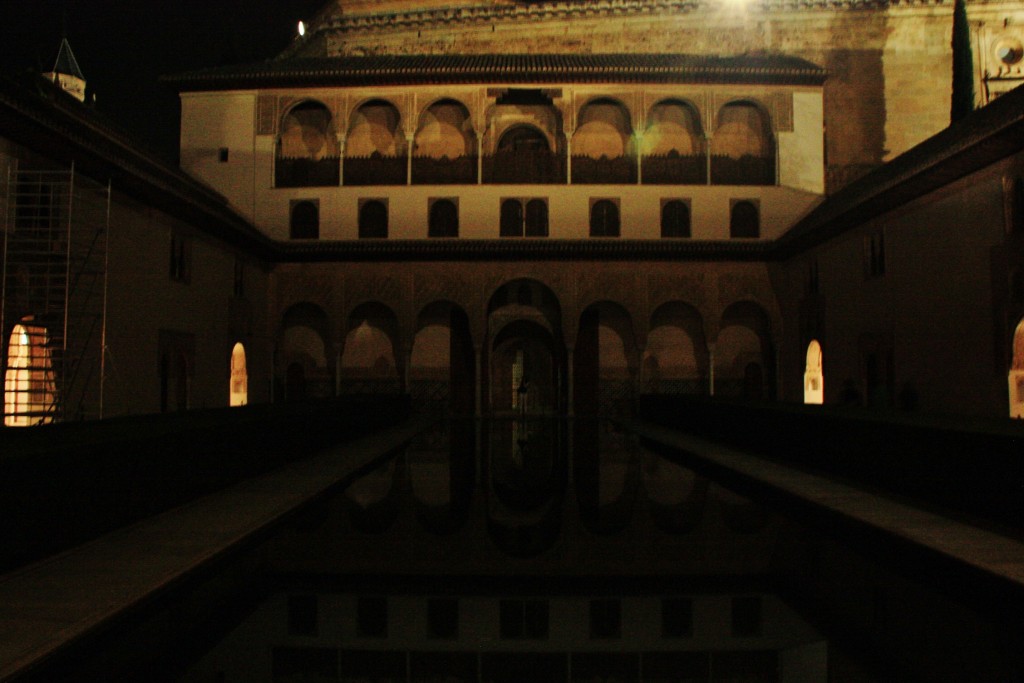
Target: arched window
{"type": "Point", "coordinates": [744, 221]}
{"type": "Point", "coordinates": [29, 389]}
{"type": "Point", "coordinates": [523, 139]}
{"type": "Point", "coordinates": [536, 218]}
{"type": "Point", "coordinates": [307, 148]}
{"type": "Point", "coordinates": [305, 222]}
{"type": "Point", "coordinates": [444, 219]}
{"type": "Point", "coordinates": [675, 219]}
{"type": "Point", "coordinates": [511, 218]}
{"type": "Point", "coordinates": [1016, 376]}
{"type": "Point", "coordinates": [373, 220]}
{"type": "Point", "coordinates": [814, 379]}
{"type": "Point", "coordinates": [604, 219]}
{"type": "Point", "coordinates": [239, 383]}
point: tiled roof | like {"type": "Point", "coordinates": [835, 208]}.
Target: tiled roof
{"type": "Point", "coordinates": [505, 68]}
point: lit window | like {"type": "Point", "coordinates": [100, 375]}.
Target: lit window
{"type": "Point", "coordinates": [30, 392]}
{"type": "Point", "coordinates": [814, 379]}
{"type": "Point", "coordinates": [239, 377]}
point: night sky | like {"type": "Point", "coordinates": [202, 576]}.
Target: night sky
{"type": "Point", "coordinates": [124, 46]}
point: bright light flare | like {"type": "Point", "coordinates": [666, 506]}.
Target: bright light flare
{"type": "Point", "coordinates": [302, 28]}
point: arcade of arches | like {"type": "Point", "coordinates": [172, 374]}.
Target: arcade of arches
{"type": "Point", "coordinates": [527, 135]}
{"type": "Point", "coordinates": [527, 348]}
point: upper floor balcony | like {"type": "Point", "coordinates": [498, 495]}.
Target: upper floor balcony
{"type": "Point", "coordinates": [525, 140]}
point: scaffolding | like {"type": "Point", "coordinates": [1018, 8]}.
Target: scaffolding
{"type": "Point", "coordinates": [54, 295]}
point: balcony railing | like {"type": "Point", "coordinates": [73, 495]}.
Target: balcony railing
{"type": "Point", "coordinates": [444, 171]}
{"type": "Point", "coordinates": [376, 169]}
{"type": "Point", "coordinates": [524, 166]}
{"type": "Point", "coordinates": [675, 169]}
{"type": "Point", "coordinates": [302, 172]}
{"type": "Point", "coordinates": [616, 171]}
{"type": "Point", "coordinates": [745, 170]}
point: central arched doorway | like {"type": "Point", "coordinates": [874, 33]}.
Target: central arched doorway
{"type": "Point", "coordinates": [525, 376]}
{"type": "Point", "coordinates": [525, 352]}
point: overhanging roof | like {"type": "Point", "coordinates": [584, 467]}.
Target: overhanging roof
{"type": "Point", "coordinates": [504, 68]}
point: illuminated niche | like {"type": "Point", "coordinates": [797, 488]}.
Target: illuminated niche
{"type": "Point", "coordinates": [814, 379]}
{"type": "Point", "coordinates": [29, 387]}
{"type": "Point", "coordinates": [239, 377]}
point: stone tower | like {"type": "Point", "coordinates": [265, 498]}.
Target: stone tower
{"type": "Point", "coordinates": [66, 72]}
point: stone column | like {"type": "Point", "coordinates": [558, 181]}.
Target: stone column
{"type": "Point", "coordinates": [409, 137]}
{"type": "Point", "coordinates": [341, 160]}
{"type": "Point", "coordinates": [638, 138]}
{"type": "Point", "coordinates": [479, 159]}
{"type": "Point", "coordinates": [707, 157]}
{"type": "Point", "coordinates": [568, 157]}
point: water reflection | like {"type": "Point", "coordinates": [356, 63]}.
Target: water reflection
{"type": "Point", "coordinates": [528, 477]}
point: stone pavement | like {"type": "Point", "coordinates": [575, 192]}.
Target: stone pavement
{"type": "Point", "coordinates": [47, 606]}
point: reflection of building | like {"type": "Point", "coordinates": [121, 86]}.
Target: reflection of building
{"type": "Point", "coordinates": [399, 205]}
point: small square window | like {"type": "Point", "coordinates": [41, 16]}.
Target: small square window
{"type": "Point", "coordinates": [443, 618]}
{"type": "Point", "coordinates": [746, 616]}
{"type": "Point", "coordinates": [605, 619]}
{"type": "Point", "coordinates": [372, 617]}
{"type": "Point", "coordinates": [677, 618]}
{"type": "Point", "coordinates": [302, 615]}
{"type": "Point", "coordinates": [222, 155]}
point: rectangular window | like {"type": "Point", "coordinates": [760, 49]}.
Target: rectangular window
{"type": "Point", "coordinates": [180, 259]}
{"type": "Point", "coordinates": [372, 617]}
{"type": "Point", "coordinates": [222, 155]}
{"type": "Point", "coordinates": [524, 619]}
{"type": "Point", "coordinates": [605, 619]}
{"type": "Point", "coordinates": [302, 615]}
{"type": "Point", "coordinates": [874, 255]}
{"type": "Point", "coordinates": [676, 618]}
{"type": "Point", "coordinates": [443, 618]}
